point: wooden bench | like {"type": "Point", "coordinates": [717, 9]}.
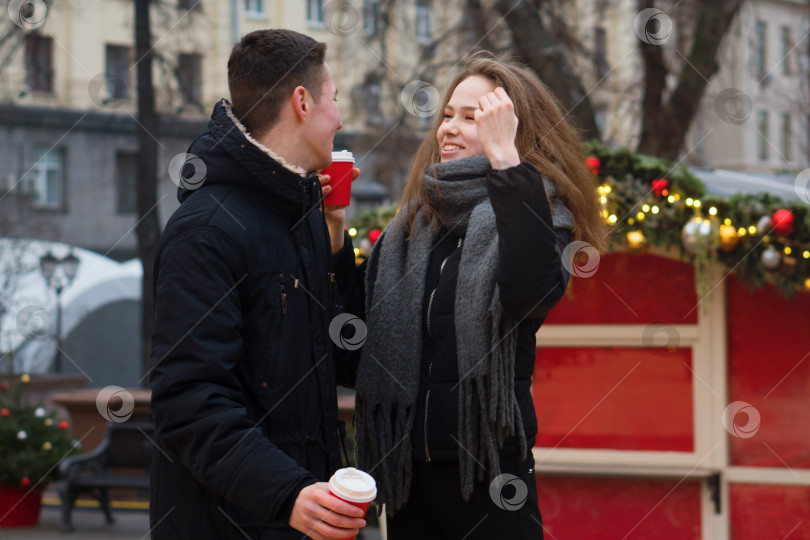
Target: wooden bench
{"type": "Point", "coordinates": [125, 446]}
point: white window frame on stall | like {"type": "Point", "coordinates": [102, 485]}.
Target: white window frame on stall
{"type": "Point", "coordinates": [708, 462]}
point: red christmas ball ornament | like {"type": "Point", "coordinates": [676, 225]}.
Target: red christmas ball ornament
{"type": "Point", "coordinates": [25, 482]}
{"type": "Point", "coordinates": [63, 425]}
{"type": "Point", "coordinates": [659, 186]}
{"type": "Point", "coordinates": [373, 235]}
{"type": "Point", "coordinates": [592, 162]}
{"type": "Point", "coordinates": [4, 412]}
{"type": "Point", "coordinates": [782, 222]}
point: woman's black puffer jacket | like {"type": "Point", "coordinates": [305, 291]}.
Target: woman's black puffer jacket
{"type": "Point", "coordinates": [531, 280]}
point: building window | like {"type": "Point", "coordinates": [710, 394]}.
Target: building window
{"type": "Point", "coordinates": [126, 171]}
{"type": "Point", "coordinates": [39, 63]}
{"type": "Point", "coordinates": [787, 139]}
{"type": "Point", "coordinates": [189, 4]}
{"type": "Point", "coordinates": [600, 52]}
{"type": "Point", "coordinates": [254, 8]}
{"type": "Point", "coordinates": [762, 135]}
{"type": "Point", "coordinates": [423, 16]}
{"type": "Point", "coordinates": [787, 47]}
{"type": "Point", "coordinates": [118, 64]}
{"type": "Point", "coordinates": [371, 10]}
{"type": "Point", "coordinates": [46, 178]}
{"type": "Point", "coordinates": [315, 12]}
{"type": "Point", "coordinates": [373, 101]}
{"type": "Point", "coordinates": [761, 50]}
{"type": "Point", "coordinates": [189, 77]}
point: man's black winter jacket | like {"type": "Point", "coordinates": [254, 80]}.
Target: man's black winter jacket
{"type": "Point", "coordinates": [243, 370]}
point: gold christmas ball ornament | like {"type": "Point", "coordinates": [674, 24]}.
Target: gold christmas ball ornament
{"type": "Point", "coordinates": [807, 284]}
{"type": "Point", "coordinates": [697, 235]}
{"type": "Point", "coordinates": [728, 237]}
{"type": "Point", "coordinates": [636, 241]}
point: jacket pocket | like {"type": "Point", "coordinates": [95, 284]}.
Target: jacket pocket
{"type": "Point", "coordinates": [276, 348]}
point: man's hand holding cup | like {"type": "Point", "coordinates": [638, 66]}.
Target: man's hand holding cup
{"type": "Point", "coordinates": [335, 509]}
{"type": "Point", "coordinates": [336, 181]}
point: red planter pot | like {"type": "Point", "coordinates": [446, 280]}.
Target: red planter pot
{"type": "Point", "coordinates": [18, 507]}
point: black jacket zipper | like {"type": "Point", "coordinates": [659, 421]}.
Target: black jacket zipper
{"type": "Point", "coordinates": [430, 365]}
{"type": "Point", "coordinates": [283, 300]}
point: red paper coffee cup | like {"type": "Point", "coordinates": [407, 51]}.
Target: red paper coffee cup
{"type": "Point", "coordinates": [340, 172]}
{"type": "Point", "coordinates": [353, 486]}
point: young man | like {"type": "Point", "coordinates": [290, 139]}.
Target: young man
{"type": "Point", "coordinates": [243, 371]}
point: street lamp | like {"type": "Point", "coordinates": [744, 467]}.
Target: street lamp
{"type": "Point", "coordinates": [58, 281]}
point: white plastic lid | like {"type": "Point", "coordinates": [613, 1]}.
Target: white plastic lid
{"type": "Point", "coordinates": [353, 485]}
{"type": "Point", "coordinates": [342, 155]}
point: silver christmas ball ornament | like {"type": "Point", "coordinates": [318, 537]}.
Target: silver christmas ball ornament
{"type": "Point", "coordinates": [764, 224]}
{"type": "Point", "coordinates": [771, 258]}
{"type": "Point", "coordinates": [697, 235]}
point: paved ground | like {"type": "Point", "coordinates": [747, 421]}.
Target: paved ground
{"type": "Point", "coordinates": [90, 525]}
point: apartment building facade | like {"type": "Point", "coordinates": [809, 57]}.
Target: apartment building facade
{"type": "Point", "coordinates": [754, 113]}
{"type": "Point", "coordinates": [68, 98]}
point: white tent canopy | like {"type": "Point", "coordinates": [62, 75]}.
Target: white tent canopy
{"type": "Point", "coordinates": [28, 323]}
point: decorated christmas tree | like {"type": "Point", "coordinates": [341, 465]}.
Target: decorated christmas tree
{"type": "Point", "coordinates": [32, 440]}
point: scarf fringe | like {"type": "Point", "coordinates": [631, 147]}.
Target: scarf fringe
{"type": "Point", "coordinates": [496, 415]}
{"type": "Point", "coordinates": [383, 450]}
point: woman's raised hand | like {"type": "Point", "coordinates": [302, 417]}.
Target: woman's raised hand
{"type": "Point", "coordinates": [497, 128]}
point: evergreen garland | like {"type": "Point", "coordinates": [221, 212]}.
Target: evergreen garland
{"type": "Point", "coordinates": [634, 199]}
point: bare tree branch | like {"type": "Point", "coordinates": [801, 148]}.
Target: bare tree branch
{"type": "Point", "coordinates": [539, 49]}
{"type": "Point", "coordinates": [665, 122]}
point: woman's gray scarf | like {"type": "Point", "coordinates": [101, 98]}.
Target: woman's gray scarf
{"type": "Point", "coordinates": [388, 377]}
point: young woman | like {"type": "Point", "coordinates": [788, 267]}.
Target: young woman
{"type": "Point", "coordinates": [457, 286]}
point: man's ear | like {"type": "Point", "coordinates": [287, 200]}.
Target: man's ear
{"type": "Point", "coordinates": [300, 102]}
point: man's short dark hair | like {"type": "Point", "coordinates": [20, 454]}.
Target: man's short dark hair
{"type": "Point", "coordinates": [264, 69]}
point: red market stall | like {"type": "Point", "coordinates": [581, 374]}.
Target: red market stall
{"type": "Point", "coordinates": [665, 414]}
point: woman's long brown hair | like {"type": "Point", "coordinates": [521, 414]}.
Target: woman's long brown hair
{"type": "Point", "coordinates": [544, 139]}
